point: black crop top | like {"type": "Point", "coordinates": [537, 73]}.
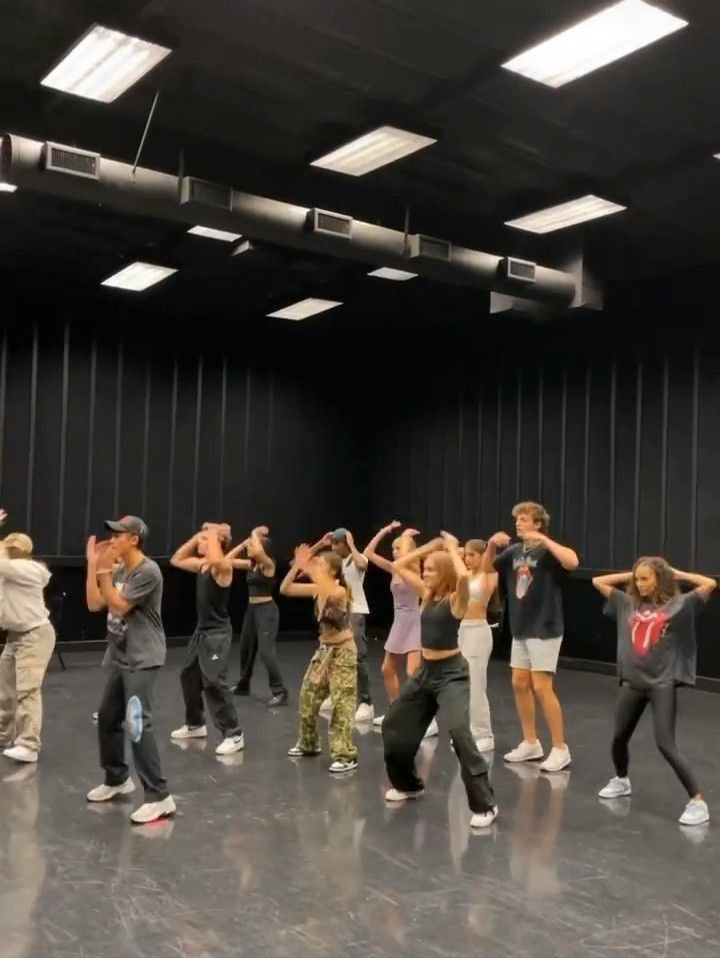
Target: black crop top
{"type": "Point", "coordinates": [439, 627]}
{"type": "Point", "coordinates": [259, 584]}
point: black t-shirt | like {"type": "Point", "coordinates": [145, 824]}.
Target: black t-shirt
{"type": "Point", "coordinates": [656, 644]}
{"type": "Point", "coordinates": [531, 580]}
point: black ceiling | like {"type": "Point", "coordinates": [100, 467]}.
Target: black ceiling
{"type": "Point", "coordinates": [255, 89]}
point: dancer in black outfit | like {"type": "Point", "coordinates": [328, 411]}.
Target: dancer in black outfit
{"type": "Point", "coordinates": [209, 649]}
{"type": "Point", "coordinates": [440, 686]}
{"type": "Point", "coordinates": [656, 653]}
{"type": "Point", "coordinates": [262, 617]}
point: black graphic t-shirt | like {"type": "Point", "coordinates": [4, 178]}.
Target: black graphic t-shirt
{"type": "Point", "coordinates": [656, 644]}
{"type": "Point", "coordinates": [531, 581]}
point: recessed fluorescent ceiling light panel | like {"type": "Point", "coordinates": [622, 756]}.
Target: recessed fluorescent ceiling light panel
{"type": "Point", "coordinates": [7, 187]}
{"type": "Point", "coordinates": [373, 150]}
{"type": "Point", "coordinates": [211, 233]}
{"type": "Point", "coordinates": [386, 272]}
{"type": "Point", "coordinates": [305, 308]}
{"type": "Point", "coordinates": [103, 64]}
{"type": "Point", "coordinates": [566, 214]}
{"type": "Point", "coordinates": [607, 36]}
{"type": "Point", "coordinates": [138, 276]}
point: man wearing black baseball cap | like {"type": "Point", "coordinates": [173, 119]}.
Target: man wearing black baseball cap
{"type": "Point", "coordinates": [132, 595]}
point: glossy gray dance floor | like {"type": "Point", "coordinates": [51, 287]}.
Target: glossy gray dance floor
{"type": "Point", "coordinates": [271, 856]}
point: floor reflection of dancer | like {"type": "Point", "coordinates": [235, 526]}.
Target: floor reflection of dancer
{"type": "Point", "coordinates": [656, 654]}
{"type": "Point", "coordinates": [205, 673]}
{"type": "Point", "coordinates": [402, 648]}
{"type": "Point", "coordinates": [476, 641]}
{"type": "Point", "coordinates": [333, 667]}
{"type": "Point", "coordinates": [28, 647]}
{"type": "Point", "coordinates": [262, 617]}
{"type": "Point", "coordinates": [442, 684]}
{"type": "Point", "coordinates": [132, 595]}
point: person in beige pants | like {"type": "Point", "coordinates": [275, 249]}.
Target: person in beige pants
{"type": "Point", "coordinates": [29, 644]}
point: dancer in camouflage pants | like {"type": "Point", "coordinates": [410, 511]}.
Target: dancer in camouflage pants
{"type": "Point", "coordinates": [333, 669]}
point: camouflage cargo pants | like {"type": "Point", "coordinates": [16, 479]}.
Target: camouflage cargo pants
{"type": "Point", "coordinates": [332, 669]}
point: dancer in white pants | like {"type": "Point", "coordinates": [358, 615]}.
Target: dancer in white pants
{"type": "Point", "coordinates": [476, 641]}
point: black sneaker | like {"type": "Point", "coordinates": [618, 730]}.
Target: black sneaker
{"type": "Point", "coordinates": [280, 698]}
{"type": "Point", "coordinates": [241, 689]}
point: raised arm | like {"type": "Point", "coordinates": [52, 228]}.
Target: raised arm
{"type": "Point", "coordinates": [233, 556]}
{"type": "Point", "coordinates": [360, 560]}
{"type": "Point", "coordinates": [606, 583]}
{"type": "Point", "coordinates": [496, 543]}
{"type": "Point", "coordinates": [110, 596]}
{"type": "Point", "coordinates": [289, 586]}
{"type": "Point", "coordinates": [404, 565]}
{"type": "Point", "coordinates": [566, 556]}
{"type": "Point", "coordinates": [93, 598]}
{"type": "Point", "coordinates": [220, 566]}
{"type": "Point", "coordinates": [703, 583]}
{"type": "Point", "coordinates": [461, 596]}
{"type": "Point", "coordinates": [261, 557]}
{"type": "Point", "coordinates": [185, 556]}
{"type": "Point", "coordinates": [370, 550]}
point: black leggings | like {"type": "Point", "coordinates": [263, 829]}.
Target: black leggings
{"type": "Point", "coordinates": [630, 707]}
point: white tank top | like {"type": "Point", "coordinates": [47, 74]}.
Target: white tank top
{"type": "Point", "coordinates": [355, 579]}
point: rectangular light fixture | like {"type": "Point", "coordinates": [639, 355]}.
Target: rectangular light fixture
{"type": "Point", "coordinates": [566, 214]}
{"type": "Point", "coordinates": [387, 272]}
{"type": "Point", "coordinates": [211, 233]}
{"type": "Point", "coordinates": [305, 308]}
{"type": "Point", "coordinates": [138, 276]}
{"type": "Point", "coordinates": [606, 36]}
{"type": "Point", "coordinates": [103, 64]}
{"type": "Point", "coordinates": [7, 187]}
{"type": "Point", "coordinates": [384, 145]}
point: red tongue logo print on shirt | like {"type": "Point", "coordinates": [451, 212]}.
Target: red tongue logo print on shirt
{"type": "Point", "coordinates": [646, 629]}
{"type": "Point", "coordinates": [523, 580]}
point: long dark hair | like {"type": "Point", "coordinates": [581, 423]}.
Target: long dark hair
{"type": "Point", "coordinates": [335, 564]}
{"type": "Point", "coordinates": [494, 604]}
{"type": "Point", "coordinates": [667, 587]}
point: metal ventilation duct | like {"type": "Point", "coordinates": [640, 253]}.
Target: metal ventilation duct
{"type": "Point", "coordinates": [151, 193]}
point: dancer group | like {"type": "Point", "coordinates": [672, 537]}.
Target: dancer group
{"type": "Point", "coordinates": [434, 668]}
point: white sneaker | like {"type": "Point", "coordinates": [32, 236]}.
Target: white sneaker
{"type": "Point", "coordinates": [341, 766]}
{"type": "Point", "coordinates": [378, 720]}
{"type": "Point", "coordinates": [103, 793]}
{"type": "Point", "coordinates": [365, 712]}
{"type": "Point", "coordinates": [151, 811]}
{"type": "Point", "coordinates": [189, 731]}
{"type": "Point", "coordinates": [695, 813]}
{"type": "Point", "coordinates": [432, 730]}
{"type": "Point", "coordinates": [18, 753]}
{"type": "Point", "coordinates": [525, 752]}
{"type": "Point", "coordinates": [616, 788]}
{"type": "Point", "coordinates": [557, 760]}
{"type": "Point", "coordinates": [326, 707]}
{"type": "Point", "coordinates": [233, 743]}
{"type": "Point", "coordinates": [485, 744]}
{"type": "Point", "coordinates": [296, 752]}
{"type": "Point", "coordinates": [483, 819]}
{"type": "Point", "coordinates": [393, 795]}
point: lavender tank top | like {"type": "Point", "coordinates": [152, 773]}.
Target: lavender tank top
{"type": "Point", "coordinates": [405, 598]}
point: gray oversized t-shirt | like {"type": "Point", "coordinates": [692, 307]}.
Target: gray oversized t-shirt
{"type": "Point", "coordinates": [137, 640]}
{"type": "Point", "coordinates": [531, 580]}
{"type": "Point", "coordinates": [656, 644]}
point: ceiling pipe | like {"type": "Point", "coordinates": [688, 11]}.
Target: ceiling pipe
{"type": "Point", "coordinates": [151, 193]}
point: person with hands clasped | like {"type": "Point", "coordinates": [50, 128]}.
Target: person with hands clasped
{"type": "Point", "coordinates": [656, 654]}
{"type": "Point", "coordinates": [333, 667]}
{"type": "Point", "coordinates": [530, 576]}
{"type": "Point", "coordinates": [132, 595]}
{"type": "Point", "coordinates": [442, 684]}
{"type": "Point", "coordinates": [206, 555]}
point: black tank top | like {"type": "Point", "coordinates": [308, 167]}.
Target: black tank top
{"type": "Point", "coordinates": [212, 603]}
{"type": "Point", "coordinates": [439, 627]}
{"type": "Point", "coordinates": [259, 584]}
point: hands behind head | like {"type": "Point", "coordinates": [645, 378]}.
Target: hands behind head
{"type": "Point", "coordinates": [260, 531]}
{"type": "Point", "coordinates": [450, 540]}
{"type": "Point", "coordinates": [412, 533]}
{"type": "Point", "coordinates": [501, 540]}
{"type": "Point", "coordinates": [303, 555]}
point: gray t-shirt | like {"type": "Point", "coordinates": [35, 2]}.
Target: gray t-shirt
{"type": "Point", "coordinates": [656, 644]}
{"type": "Point", "coordinates": [531, 580]}
{"type": "Point", "coordinates": [137, 640]}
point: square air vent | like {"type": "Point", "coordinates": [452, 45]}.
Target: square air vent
{"type": "Point", "coordinates": [330, 224]}
{"type": "Point", "coordinates": [213, 195]}
{"type": "Point", "coordinates": [425, 247]}
{"type": "Point", "coordinates": [519, 269]}
{"type": "Point", "coordinates": [66, 159]}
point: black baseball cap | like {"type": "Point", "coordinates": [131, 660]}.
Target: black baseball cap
{"type": "Point", "coordinates": [132, 524]}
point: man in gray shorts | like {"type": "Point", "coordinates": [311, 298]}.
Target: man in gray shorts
{"type": "Point", "coordinates": [530, 576]}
